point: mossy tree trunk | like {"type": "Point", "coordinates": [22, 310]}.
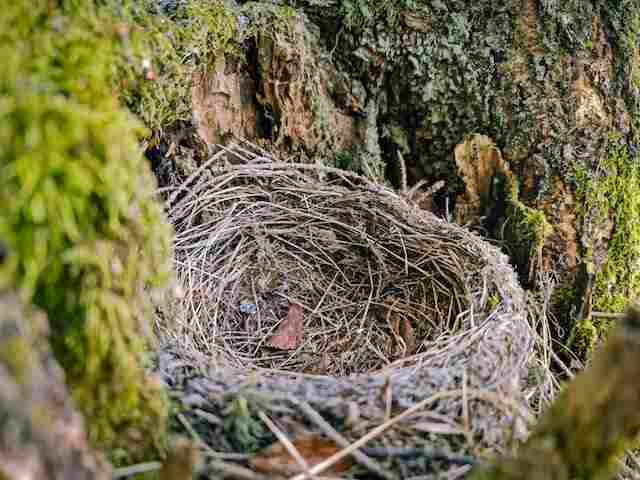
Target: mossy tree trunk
{"type": "Point", "coordinates": [41, 434]}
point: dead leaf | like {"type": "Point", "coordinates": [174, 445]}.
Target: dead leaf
{"type": "Point", "coordinates": [290, 331]}
{"type": "Point", "coordinates": [276, 460]}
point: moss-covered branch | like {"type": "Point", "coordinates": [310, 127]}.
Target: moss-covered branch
{"type": "Point", "coordinates": [588, 427]}
{"type": "Point", "coordinates": [83, 233]}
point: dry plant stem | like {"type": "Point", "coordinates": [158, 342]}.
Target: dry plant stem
{"type": "Point", "coordinates": [293, 451]}
{"type": "Point", "coordinates": [403, 173]}
{"type": "Point", "coordinates": [235, 471]}
{"type": "Point", "coordinates": [377, 432]}
{"type": "Point", "coordinates": [465, 410]}
{"type": "Point", "coordinates": [330, 432]}
{"type": "Point", "coordinates": [589, 425]}
{"type": "Point", "coordinates": [138, 469]}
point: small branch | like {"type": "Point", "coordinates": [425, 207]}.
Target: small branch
{"type": "Point", "coordinates": [293, 451]}
{"type": "Point", "coordinates": [330, 432]}
{"type": "Point", "coordinates": [403, 172]}
{"type": "Point", "coordinates": [415, 452]}
{"type": "Point", "coordinates": [132, 470]}
{"type": "Point", "coordinates": [379, 430]}
{"type": "Point", "coordinates": [439, 185]}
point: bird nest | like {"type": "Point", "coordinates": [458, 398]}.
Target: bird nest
{"type": "Point", "coordinates": [332, 304]}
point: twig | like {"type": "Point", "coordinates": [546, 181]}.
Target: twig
{"type": "Point", "coordinates": [330, 432]}
{"type": "Point", "coordinates": [388, 396]}
{"type": "Point", "coordinates": [320, 467]}
{"type": "Point", "coordinates": [183, 186]}
{"type": "Point", "coordinates": [236, 471]}
{"type": "Point", "coordinates": [132, 470]}
{"type": "Point", "coordinates": [293, 451]}
{"type": "Point", "coordinates": [414, 452]}
{"type": "Point", "coordinates": [403, 173]}
{"type": "Point", "coordinates": [465, 410]}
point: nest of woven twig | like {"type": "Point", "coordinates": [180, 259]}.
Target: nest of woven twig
{"type": "Point", "coordinates": [377, 286]}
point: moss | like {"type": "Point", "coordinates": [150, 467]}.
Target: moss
{"type": "Point", "coordinates": [242, 425]}
{"type": "Point", "coordinates": [16, 355]}
{"type": "Point", "coordinates": [525, 231]}
{"type": "Point", "coordinates": [345, 161]}
{"type": "Point", "coordinates": [584, 338]}
{"type": "Point", "coordinates": [611, 196]}
{"type": "Point", "coordinates": [78, 215]}
{"type": "Point", "coordinates": [494, 301]}
{"type": "Point", "coordinates": [564, 297]}
{"type": "Point", "coordinates": [162, 50]}
{"type": "Point", "coordinates": [37, 416]}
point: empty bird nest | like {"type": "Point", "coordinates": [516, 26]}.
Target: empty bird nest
{"type": "Point", "coordinates": [313, 294]}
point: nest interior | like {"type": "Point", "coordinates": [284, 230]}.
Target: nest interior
{"type": "Point", "coordinates": [368, 279]}
{"type": "Point", "coordinates": [333, 289]}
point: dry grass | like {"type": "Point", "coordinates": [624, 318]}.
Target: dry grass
{"type": "Point", "coordinates": [361, 260]}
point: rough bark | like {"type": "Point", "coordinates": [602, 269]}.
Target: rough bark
{"type": "Point", "coordinates": [42, 436]}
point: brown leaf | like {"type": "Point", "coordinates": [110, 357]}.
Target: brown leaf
{"type": "Point", "coordinates": [276, 460]}
{"type": "Point", "coordinates": [290, 331]}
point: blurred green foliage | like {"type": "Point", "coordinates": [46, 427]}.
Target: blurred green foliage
{"type": "Point", "coordinates": [84, 233]}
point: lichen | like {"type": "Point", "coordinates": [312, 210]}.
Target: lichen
{"type": "Point", "coordinates": [546, 80]}
{"type": "Point", "coordinates": [78, 217]}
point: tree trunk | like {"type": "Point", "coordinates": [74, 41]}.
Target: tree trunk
{"type": "Point", "coordinates": [42, 436]}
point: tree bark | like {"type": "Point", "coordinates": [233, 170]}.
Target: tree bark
{"type": "Point", "coordinates": [42, 436]}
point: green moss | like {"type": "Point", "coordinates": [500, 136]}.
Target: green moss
{"type": "Point", "coordinates": [494, 301]}
{"type": "Point", "coordinates": [269, 19]}
{"type": "Point", "coordinates": [161, 51]}
{"type": "Point", "coordinates": [584, 338]}
{"type": "Point", "coordinates": [16, 355]}
{"type": "Point", "coordinates": [564, 298]}
{"type": "Point", "coordinates": [611, 196]}
{"type": "Point", "coordinates": [345, 161]}
{"type": "Point", "coordinates": [525, 230]}
{"type": "Point", "coordinates": [246, 431]}
{"type": "Point", "coordinates": [78, 215]}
